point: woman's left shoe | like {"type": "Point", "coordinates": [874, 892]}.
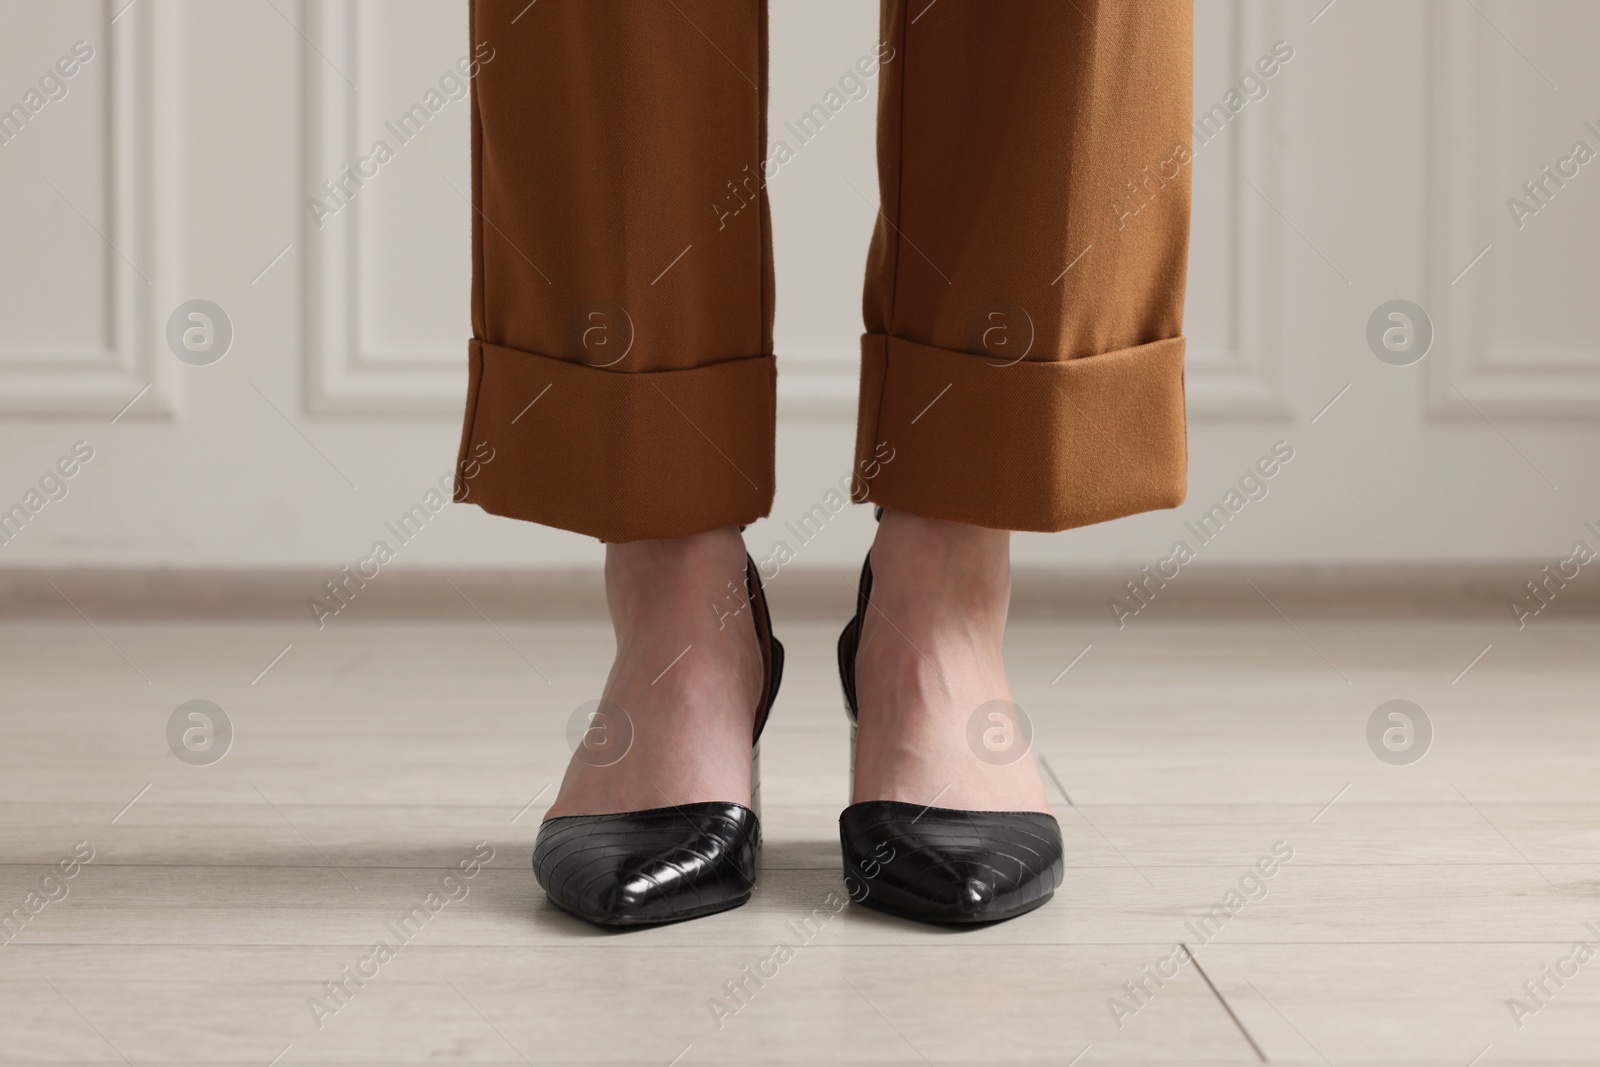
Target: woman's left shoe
{"type": "Point", "coordinates": [940, 865]}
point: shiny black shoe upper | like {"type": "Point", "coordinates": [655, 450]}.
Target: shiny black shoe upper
{"type": "Point", "coordinates": [940, 865]}
{"type": "Point", "coordinates": [943, 865]}
{"type": "Point", "coordinates": [637, 868]}
{"type": "Point", "coordinates": [642, 867]}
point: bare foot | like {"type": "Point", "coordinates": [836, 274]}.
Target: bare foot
{"type": "Point", "coordinates": [687, 673]}
{"type": "Point", "coordinates": [930, 658]}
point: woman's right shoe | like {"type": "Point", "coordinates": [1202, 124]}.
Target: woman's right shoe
{"type": "Point", "coordinates": [940, 865]}
{"type": "Point", "coordinates": [638, 868]}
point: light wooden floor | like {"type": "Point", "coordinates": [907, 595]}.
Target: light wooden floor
{"type": "Point", "coordinates": [371, 758]}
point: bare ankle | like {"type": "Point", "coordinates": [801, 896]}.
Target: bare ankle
{"type": "Point", "coordinates": [683, 575]}
{"type": "Point", "coordinates": [932, 561]}
{"type": "Point", "coordinates": [711, 549]}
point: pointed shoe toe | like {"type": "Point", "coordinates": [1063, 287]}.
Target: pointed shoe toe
{"type": "Point", "coordinates": [944, 865]}
{"type": "Point", "coordinates": [643, 867]}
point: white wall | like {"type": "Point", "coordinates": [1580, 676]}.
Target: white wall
{"type": "Point", "coordinates": [1377, 167]}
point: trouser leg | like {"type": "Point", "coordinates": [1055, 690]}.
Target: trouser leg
{"type": "Point", "coordinates": [622, 379]}
{"type": "Point", "coordinates": [1023, 362]}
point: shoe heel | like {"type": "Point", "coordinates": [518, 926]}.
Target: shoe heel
{"type": "Point", "coordinates": [850, 783]}
{"type": "Point", "coordinates": [755, 780]}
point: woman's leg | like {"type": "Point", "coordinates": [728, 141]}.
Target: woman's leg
{"type": "Point", "coordinates": [622, 267]}
{"type": "Point", "coordinates": [1023, 361]}
{"type": "Point", "coordinates": [688, 672]}
{"type": "Point", "coordinates": [621, 365]}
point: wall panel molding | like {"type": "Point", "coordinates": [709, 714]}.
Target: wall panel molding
{"type": "Point", "coordinates": [1473, 354]}
{"type": "Point", "coordinates": [1239, 376]}
{"type": "Point", "coordinates": [345, 372]}
{"type": "Point", "coordinates": [140, 101]}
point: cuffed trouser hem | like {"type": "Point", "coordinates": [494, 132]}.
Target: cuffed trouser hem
{"type": "Point", "coordinates": [1030, 445]}
{"type": "Point", "coordinates": [617, 456]}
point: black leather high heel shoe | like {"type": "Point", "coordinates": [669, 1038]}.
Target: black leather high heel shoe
{"type": "Point", "coordinates": [637, 868]}
{"type": "Point", "coordinates": [940, 865]}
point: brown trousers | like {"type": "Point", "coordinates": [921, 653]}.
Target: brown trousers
{"type": "Point", "coordinates": [1022, 366]}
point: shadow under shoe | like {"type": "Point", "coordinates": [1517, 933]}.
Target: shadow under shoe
{"type": "Point", "coordinates": [940, 865]}
{"type": "Point", "coordinates": [637, 868]}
